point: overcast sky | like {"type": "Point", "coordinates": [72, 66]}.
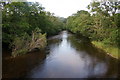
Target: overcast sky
{"type": "Point", "coordinates": [63, 8]}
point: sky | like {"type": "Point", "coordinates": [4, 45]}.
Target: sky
{"type": "Point", "coordinates": [63, 8]}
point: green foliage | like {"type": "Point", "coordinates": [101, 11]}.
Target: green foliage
{"type": "Point", "coordinates": [102, 25]}
{"type": "Point", "coordinates": [111, 50]}
{"type": "Point", "coordinates": [81, 22]}
{"type": "Point", "coordinates": [20, 45]}
{"type": "Point", "coordinates": [26, 24]}
{"type": "Point", "coordinates": [26, 43]}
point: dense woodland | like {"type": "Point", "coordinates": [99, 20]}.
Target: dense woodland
{"type": "Point", "coordinates": [102, 24]}
{"type": "Point", "coordinates": [28, 24]}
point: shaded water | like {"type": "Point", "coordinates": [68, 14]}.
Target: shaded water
{"type": "Point", "coordinates": [68, 57]}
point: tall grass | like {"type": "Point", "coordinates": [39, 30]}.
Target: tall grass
{"type": "Point", "coordinates": [111, 50]}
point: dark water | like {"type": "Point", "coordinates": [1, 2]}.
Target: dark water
{"type": "Point", "coordinates": [67, 57]}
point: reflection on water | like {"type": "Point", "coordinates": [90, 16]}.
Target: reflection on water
{"type": "Point", "coordinates": [72, 59]}
{"type": "Point", "coordinates": [68, 57]}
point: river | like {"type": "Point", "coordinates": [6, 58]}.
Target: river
{"type": "Point", "coordinates": [66, 56]}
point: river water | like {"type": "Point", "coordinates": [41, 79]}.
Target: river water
{"type": "Point", "coordinates": [66, 56]}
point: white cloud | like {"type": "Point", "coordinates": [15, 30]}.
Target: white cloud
{"type": "Point", "coordinates": [63, 8]}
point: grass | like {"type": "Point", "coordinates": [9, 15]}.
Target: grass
{"type": "Point", "coordinates": [111, 50]}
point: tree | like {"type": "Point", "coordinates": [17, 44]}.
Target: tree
{"type": "Point", "coordinates": [102, 20]}
{"type": "Point", "coordinates": [20, 21]}
{"type": "Point", "coordinates": [80, 23]}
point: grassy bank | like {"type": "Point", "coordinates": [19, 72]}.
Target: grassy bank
{"type": "Point", "coordinates": [111, 50]}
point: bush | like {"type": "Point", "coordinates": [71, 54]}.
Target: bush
{"type": "Point", "coordinates": [26, 43]}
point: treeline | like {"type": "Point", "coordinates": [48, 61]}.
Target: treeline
{"type": "Point", "coordinates": [25, 26]}
{"type": "Point", "coordinates": [102, 23]}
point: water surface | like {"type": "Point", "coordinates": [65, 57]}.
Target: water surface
{"type": "Point", "coordinates": [66, 56]}
{"type": "Point", "coordinates": [73, 58]}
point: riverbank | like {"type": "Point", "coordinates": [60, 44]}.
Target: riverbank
{"type": "Point", "coordinates": [110, 50]}
{"type": "Point", "coordinates": [63, 50]}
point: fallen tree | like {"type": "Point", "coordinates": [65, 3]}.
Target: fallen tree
{"type": "Point", "coordinates": [27, 43]}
